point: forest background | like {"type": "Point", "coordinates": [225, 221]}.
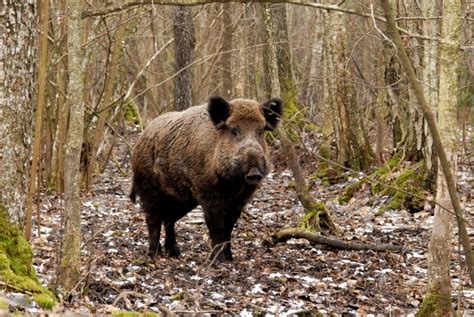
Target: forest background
{"type": "Point", "coordinates": [80, 80]}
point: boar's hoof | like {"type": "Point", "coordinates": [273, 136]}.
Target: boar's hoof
{"type": "Point", "coordinates": [154, 253]}
{"type": "Point", "coordinates": [173, 251]}
{"type": "Point", "coordinates": [223, 256]}
{"type": "Point", "coordinates": [254, 176]}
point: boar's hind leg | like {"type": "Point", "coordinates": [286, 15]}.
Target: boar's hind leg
{"type": "Point", "coordinates": [153, 221]}
{"type": "Point", "coordinates": [170, 241]}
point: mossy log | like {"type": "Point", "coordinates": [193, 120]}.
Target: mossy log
{"type": "Point", "coordinates": [298, 233]}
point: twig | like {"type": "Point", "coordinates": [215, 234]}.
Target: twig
{"type": "Point", "coordinates": [166, 312]}
{"type": "Point", "coordinates": [15, 288]}
{"type": "Point", "coordinates": [96, 234]}
{"type": "Point", "coordinates": [123, 295]}
{"type": "Point", "coordinates": [77, 284]}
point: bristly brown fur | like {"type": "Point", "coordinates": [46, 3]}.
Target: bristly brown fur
{"type": "Point", "coordinates": [213, 155]}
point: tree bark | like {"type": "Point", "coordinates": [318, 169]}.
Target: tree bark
{"type": "Point", "coordinates": [17, 82]}
{"type": "Point", "coordinates": [226, 57]}
{"type": "Point", "coordinates": [70, 261]}
{"type": "Point", "coordinates": [348, 126]}
{"type": "Point", "coordinates": [61, 104]}
{"type": "Point", "coordinates": [430, 118]}
{"type": "Point", "coordinates": [283, 54]}
{"type": "Point", "coordinates": [185, 42]}
{"type": "Point", "coordinates": [430, 79]}
{"type": "Point", "coordinates": [437, 300]}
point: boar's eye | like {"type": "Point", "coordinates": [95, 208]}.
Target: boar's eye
{"type": "Point", "coordinates": [234, 131]}
{"type": "Point", "coordinates": [260, 131]}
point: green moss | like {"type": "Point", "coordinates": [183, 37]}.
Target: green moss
{"type": "Point", "coordinates": [16, 262]}
{"type": "Point", "coordinates": [410, 178]}
{"type": "Point", "coordinates": [350, 190]}
{"type": "Point", "coordinates": [327, 174]}
{"type": "Point", "coordinates": [311, 127]}
{"type": "Point", "coordinates": [311, 218]}
{"type": "Point", "coordinates": [291, 110]}
{"type": "Point", "coordinates": [3, 304]}
{"type": "Point", "coordinates": [280, 280]}
{"type": "Point", "coordinates": [131, 114]}
{"type": "Point", "coordinates": [178, 296]}
{"type": "Point", "coordinates": [46, 299]}
{"type": "Point", "coordinates": [428, 305]}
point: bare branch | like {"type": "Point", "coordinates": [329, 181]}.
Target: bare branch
{"type": "Point", "coordinates": [307, 3]}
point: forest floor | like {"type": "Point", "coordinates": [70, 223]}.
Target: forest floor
{"type": "Point", "coordinates": [267, 279]}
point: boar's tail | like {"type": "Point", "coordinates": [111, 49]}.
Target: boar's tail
{"type": "Point", "coordinates": [133, 194]}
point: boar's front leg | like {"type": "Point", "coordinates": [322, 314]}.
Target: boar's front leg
{"type": "Point", "coordinates": [153, 221]}
{"type": "Point", "coordinates": [230, 219]}
{"type": "Point", "coordinates": [220, 226]}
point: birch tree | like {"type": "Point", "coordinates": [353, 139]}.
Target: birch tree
{"type": "Point", "coordinates": [17, 78]}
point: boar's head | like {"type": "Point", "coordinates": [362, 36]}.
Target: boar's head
{"type": "Point", "coordinates": [240, 153]}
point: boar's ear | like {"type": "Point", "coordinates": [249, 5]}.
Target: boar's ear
{"type": "Point", "coordinates": [219, 110]}
{"type": "Point", "coordinates": [272, 110]}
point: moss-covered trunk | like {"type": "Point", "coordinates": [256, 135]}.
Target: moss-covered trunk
{"type": "Point", "coordinates": [437, 300]}
{"type": "Point", "coordinates": [16, 263]}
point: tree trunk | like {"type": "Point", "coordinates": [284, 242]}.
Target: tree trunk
{"type": "Point", "coordinates": [251, 66]}
{"type": "Point", "coordinates": [283, 55]}
{"type": "Point", "coordinates": [341, 96]}
{"type": "Point", "coordinates": [437, 300]}
{"type": "Point", "coordinates": [17, 79]}
{"type": "Point", "coordinates": [61, 104]}
{"type": "Point", "coordinates": [36, 155]}
{"type": "Point", "coordinates": [70, 260]}
{"type": "Point", "coordinates": [430, 80]}
{"type": "Point", "coordinates": [226, 57]}
{"type": "Point", "coordinates": [185, 42]}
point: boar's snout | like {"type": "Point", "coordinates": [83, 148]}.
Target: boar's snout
{"type": "Point", "coordinates": [254, 176]}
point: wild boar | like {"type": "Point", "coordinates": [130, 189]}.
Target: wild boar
{"type": "Point", "coordinates": [213, 155]}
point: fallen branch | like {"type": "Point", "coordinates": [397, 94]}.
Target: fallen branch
{"type": "Point", "coordinates": [298, 233]}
